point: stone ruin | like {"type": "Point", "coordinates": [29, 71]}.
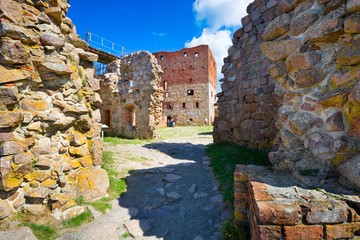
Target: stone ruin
{"type": "Point", "coordinates": [50, 145]}
{"type": "Point", "coordinates": [307, 91]}
{"type": "Point", "coordinates": [132, 97]}
{"type": "Point", "coordinates": [291, 86]}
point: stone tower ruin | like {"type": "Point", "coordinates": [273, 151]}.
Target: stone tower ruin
{"type": "Point", "coordinates": [189, 83]}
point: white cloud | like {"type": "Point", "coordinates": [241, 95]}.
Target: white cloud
{"type": "Point", "coordinates": [219, 17]}
{"type": "Point", "coordinates": [219, 42]}
{"type": "Point", "coordinates": [221, 13]}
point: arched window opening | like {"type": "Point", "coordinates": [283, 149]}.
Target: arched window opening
{"type": "Point", "coordinates": [196, 54]}
{"type": "Point", "coordinates": [185, 54]}
{"type": "Point", "coordinates": [162, 57]}
{"type": "Point", "coordinates": [130, 115]}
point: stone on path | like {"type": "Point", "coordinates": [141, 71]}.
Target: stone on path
{"type": "Point", "coordinates": [100, 232]}
{"type": "Point", "coordinates": [137, 228]}
{"type": "Point", "coordinates": [174, 196]}
{"type": "Point", "coordinates": [172, 178]}
{"type": "Point", "coordinates": [167, 170]}
{"type": "Point", "coordinates": [192, 189]}
{"type": "Point", "coordinates": [19, 233]}
{"type": "Point", "coordinates": [200, 195]}
{"type": "Point", "coordinates": [217, 198]}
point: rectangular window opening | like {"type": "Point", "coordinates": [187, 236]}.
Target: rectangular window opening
{"type": "Point", "coordinates": [190, 92]}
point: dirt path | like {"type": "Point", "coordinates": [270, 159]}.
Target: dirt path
{"type": "Point", "coordinates": [171, 194]}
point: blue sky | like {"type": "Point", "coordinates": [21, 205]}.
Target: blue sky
{"type": "Point", "coordinates": [162, 25]}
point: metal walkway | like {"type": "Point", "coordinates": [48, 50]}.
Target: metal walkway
{"type": "Point", "coordinates": [106, 50]}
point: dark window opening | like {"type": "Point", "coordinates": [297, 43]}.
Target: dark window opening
{"type": "Point", "coordinates": [185, 54]}
{"type": "Point", "coordinates": [106, 118]}
{"type": "Point", "coordinates": [190, 92]}
{"type": "Point", "coordinates": [130, 115]}
{"type": "Point", "coordinates": [196, 54]}
{"type": "Point", "coordinates": [190, 119]}
{"type": "Point", "coordinates": [184, 105]}
{"type": "Point", "coordinates": [190, 79]}
{"type": "Point", "coordinates": [162, 57]}
{"type": "Point", "coordinates": [197, 105]}
{"type": "Point", "coordinates": [170, 106]}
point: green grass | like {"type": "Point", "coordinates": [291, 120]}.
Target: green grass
{"type": "Point", "coordinates": [126, 235]}
{"type": "Point", "coordinates": [42, 232]}
{"type": "Point", "coordinates": [224, 158]}
{"type": "Point", "coordinates": [231, 231]}
{"type": "Point", "coordinates": [78, 220]}
{"type": "Point", "coordinates": [118, 140]}
{"type": "Point", "coordinates": [183, 131]}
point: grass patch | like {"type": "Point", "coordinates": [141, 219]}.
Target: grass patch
{"type": "Point", "coordinates": [183, 131]}
{"type": "Point", "coordinates": [78, 220]}
{"type": "Point", "coordinates": [118, 140]}
{"type": "Point", "coordinates": [231, 231]}
{"type": "Point", "coordinates": [42, 232]}
{"type": "Point", "coordinates": [126, 235]}
{"type": "Point", "coordinates": [224, 158]}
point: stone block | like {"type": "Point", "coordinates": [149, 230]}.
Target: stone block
{"type": "Point", "coordinates": [268, 232]}
{"type": "Point", "coordinates": [352, 6]}
{"type": "Point", "coordinates": [278, 213]}
{"type": "Point", "coordinates": [5, 209]}
{"type": "Point", "coordinates": [327, 212]}
{"type": "Point", "coordinates": [349, 169]}
{"type": "Point", "coordinates": [344, 76]}
{"type": "Point", "coordinates": [309, 77]}
{"type": "Point", "coordinates": [326, 29]}
{"type": "Point", "coordinates": [302, 21]}
{"type": "Point", "coordinates": [16, 32]}
{"type": "Point", "coordinates": [349, 54]}
{"type": "Point", "coordinates": [335, 122]}
{"type": "Point", "coordinates": [278, 27]}
{"type": "Point", "coordinates": [297, 61]}
{"type": "Point", "coordinates": [9, 75]}
{"type": "Point", "coordinates": [342, 231]}
{"type": "Point", "coordinates": [11, 10]}
{"type": "Point", "coordinates": [13, 52]}
{"type": "Point", "coordinates": [352, 23]}
{"type": "Point", "coordinates": [34, 105]}
{"type": "Point", "coordinates": [9, 119]}
{"type": "Point", "coordinates": [90, 183]}
{"type": "Point", "coordinates": [51, 40]}
{"type": "Point", "coordinates": [279, 50]}
{"type": "Point", "coordinates": [300, 123]}
{"type": "Point", "coordinates": [304, 232]}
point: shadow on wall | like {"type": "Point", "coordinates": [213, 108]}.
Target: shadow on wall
{"type": "Point", "coordinates": [161, 198]}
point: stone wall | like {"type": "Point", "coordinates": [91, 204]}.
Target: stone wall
{"type": "Point", "coordinates": [276, 206]}
{"type": "Point", "coordinates": [132, 97]}
{"type": "Point", "coordinates": [50, 148]}
{"type": "Point", "coordinates": [189, 83]}
{"type": "Point", "coordinates": [247, 106]}
{"type": "Point", "coordinates": [316, 49]}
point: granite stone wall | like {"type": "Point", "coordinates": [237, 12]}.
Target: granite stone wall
{"type": "Point", "coordinates": [132, 97]}
{"type": "Point", "coordinates": [247, 104]}
{"type": "Point", "coordinates": [50, 145]}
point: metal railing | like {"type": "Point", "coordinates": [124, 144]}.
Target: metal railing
{"type": "Point", "coordinates": [104, 45]}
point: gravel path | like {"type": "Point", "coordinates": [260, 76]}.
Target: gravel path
{"type": "Point", "coordinates": [171, 194]}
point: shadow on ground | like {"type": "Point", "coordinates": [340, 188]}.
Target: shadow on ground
{"type": "Point", "coordinates": [163, 201]}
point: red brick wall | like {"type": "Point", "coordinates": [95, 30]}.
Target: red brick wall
{"type": "Point", "coordinates": [179, 69]}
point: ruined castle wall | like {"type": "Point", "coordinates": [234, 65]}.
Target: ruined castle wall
{"type": "Point", "coordinates": [316, 49]}
{"type": "Point", "coordinates": [132, 97]}
{"type": "Point", "coordinates": [247, 106]}
{"type": "Point", "coordinates": [50, 145]}
{"type": "Point", "coordinates": [190, 69]}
